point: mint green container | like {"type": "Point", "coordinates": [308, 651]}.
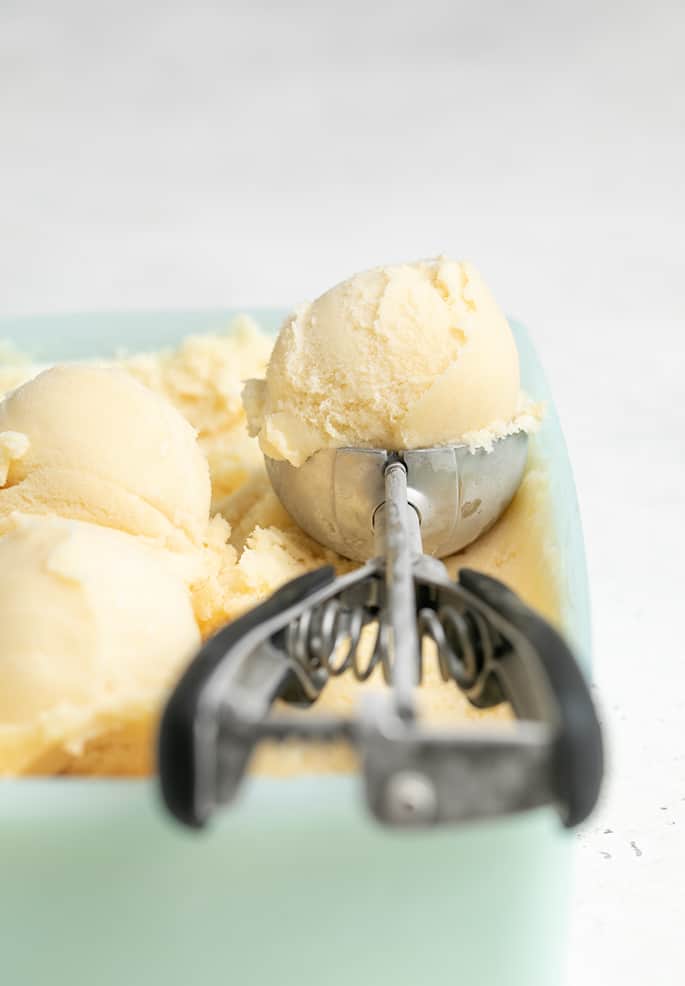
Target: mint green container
{"type": "Point", "coordinates": [294, 884]}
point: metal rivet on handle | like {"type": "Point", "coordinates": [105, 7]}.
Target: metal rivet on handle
{"type": "Point", "coordinates": [410, 798]}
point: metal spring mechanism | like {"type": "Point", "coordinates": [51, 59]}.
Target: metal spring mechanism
{"type": "Point", "coordinates": [331, 637]}
{"type": "Point", "coordinates": [464, 642]}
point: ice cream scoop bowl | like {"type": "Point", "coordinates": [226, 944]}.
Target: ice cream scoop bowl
{"type": "Point", "coordinates": [458, 493]}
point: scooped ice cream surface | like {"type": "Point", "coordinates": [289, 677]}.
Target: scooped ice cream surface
{"type": "Point", "coordinates": [93, 444]}
{"type": "Point", "coordinates": [396, 357]}
{"type": "Point", "coordinates": [92, 620]}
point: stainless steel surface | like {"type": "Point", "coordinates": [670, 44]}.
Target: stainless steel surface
{"type": "Point", "coordinates": [458, 493]}
{"type": "Point", "coordinates": [416, 776]}
{"type": "Point", "coordinates": [410, 798]}
{"type": "Point", "coordinates": [402, 543]}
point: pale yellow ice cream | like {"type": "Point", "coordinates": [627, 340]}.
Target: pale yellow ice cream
{"type": "Point", "coordinates": [113, 567]}
{"type": "Point", "coordinates": [203, 378]}
{"type": "Point", "coordinates": [93, 444]}
{"type": "Point", "coordinates": [94, 624]}
{"type": "Point", "coordinates": [396, 357]}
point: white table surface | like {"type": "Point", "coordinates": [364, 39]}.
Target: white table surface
{"type": "Point", "coordinates": [185, 155]}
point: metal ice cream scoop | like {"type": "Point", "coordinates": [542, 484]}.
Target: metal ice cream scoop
{"type": "Point", "coordinates": [367, 503]}
{"type": "Point", "coordinates": [384, 508]}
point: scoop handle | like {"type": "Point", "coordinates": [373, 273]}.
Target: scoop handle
{"type": "Point", "coordinates": [541, 678]}
{"type": "Point", "coordinates": [188, 742]}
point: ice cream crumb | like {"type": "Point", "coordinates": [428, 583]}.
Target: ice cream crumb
{"type": "Point", "coordinates": [13, 446]}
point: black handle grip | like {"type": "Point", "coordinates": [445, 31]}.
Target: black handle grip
{"type": "Point", "coordinates": [176, 743]}
{"type": "Point", "coordinates": [541, 665]}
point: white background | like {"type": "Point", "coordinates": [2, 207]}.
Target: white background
{"type": "Point", "coordinates": [190, 155]}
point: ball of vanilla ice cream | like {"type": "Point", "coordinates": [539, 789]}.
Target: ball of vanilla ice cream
{"type": "Point", "coordinates": [397, 357]}
{"type": "Point", "coordinates": [91, 619]}
{"type": "Point", "coordinates": [91, 443]}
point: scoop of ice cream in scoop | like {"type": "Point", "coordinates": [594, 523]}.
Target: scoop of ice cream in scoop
{"type": "Point", "coordinates": [396, 357]}
{"type": "Point", "coordinates": [91, 443]}
{"type": "Point", "coordinates": [91, 618]}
